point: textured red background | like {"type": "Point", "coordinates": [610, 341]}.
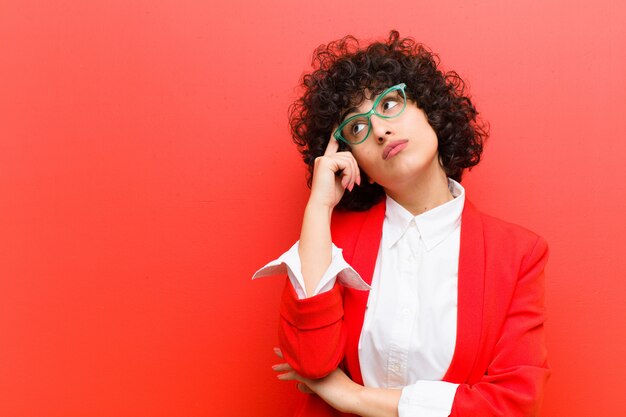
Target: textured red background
{"type": "Point", "coordinates": [146, 172]}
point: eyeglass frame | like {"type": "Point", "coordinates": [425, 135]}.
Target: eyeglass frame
{"type": "Point", "coordinates": [338, 136]}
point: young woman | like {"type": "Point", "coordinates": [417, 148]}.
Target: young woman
{"type": "Point", "coordinates": [403, 298]}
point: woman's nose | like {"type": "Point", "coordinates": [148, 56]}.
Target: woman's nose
{"type": "Point", "coordinates": [381, 128]}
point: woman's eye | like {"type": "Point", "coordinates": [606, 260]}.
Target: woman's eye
{"type": "Point", "coordinates": [357, 128]}
{"type": "Point", "coordinates": [389, 104]}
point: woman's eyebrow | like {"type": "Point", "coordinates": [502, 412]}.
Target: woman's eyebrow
{"type": "Point", "coordinates": [347, 112]}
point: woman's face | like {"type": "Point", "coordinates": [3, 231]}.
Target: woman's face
{"type": "Point", "coordinates": [398, 150]}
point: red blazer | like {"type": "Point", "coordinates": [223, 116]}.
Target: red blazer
{"type": "Point", "coordinates": [500, 357]}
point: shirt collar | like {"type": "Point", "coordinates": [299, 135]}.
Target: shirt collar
{"type": "Point", "coordinates": [433, 225]}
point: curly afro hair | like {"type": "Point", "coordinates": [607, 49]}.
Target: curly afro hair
{"type": "Point", "coordinates": [342, 71]}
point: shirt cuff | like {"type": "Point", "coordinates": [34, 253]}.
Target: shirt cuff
{"type": "Point", "coordinates": [289, 263]}
{"type": "Point", "coordinates": [427, 399]}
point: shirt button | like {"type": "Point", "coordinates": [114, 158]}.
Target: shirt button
{"type": "Point", "coordinates": [406, 311]}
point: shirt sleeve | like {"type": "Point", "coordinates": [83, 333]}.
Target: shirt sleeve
{"type": "Point", "coordinates": [338, 270]}
{"type": "Point", "coordinates": [427, 399]}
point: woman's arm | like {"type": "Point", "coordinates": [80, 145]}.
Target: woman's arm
{"type": "Point", "coordinates": [311, 331]}
{"type": "Point", "coordinates": [343, 394]}
{"type": "Point", "coordinates": [327, 188]}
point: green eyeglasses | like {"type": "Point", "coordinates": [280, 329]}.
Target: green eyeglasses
{"type": "Point", "coordinates": [390, 103]}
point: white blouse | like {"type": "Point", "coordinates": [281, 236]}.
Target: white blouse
{"type": "Point", "coordinates": [409, 332]}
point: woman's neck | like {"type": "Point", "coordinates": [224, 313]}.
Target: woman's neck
{"type": "Point", "coordinates": [423, 194]}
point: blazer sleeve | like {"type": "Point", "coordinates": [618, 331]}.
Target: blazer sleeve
{"type": "Point", "coordinates": [311, 331]}
{"type": "Point", "coordinates": [513, 382]}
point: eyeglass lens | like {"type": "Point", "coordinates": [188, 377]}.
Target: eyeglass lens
{"type": "Point", "coordinates": [358, 127]}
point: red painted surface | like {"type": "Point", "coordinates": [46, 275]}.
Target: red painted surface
{"type": "Point", "coordinates": [146, 172]}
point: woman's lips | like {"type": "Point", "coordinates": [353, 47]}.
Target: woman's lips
{"type": "Point", "coordinates": [394, 148]}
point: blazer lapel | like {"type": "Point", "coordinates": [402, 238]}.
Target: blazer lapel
{"type": "Point", "coordinates": [471, 287]}
{"type": "Point", "coordinates": [368, 242]}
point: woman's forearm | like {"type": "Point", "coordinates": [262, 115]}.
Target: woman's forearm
{"type": "Point", "coordinates": [377, 402]}
{"type": "Point", "coordinates": [315, 248]}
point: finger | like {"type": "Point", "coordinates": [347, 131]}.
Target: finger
{"type": "Point", "coordinates": [343, 160]}
{"type": "Point", "coordinates": [357, 171]}
{"type": "Point", "coordinates": [332, 146]}
{"type": "Point", "coordinates": [288, 376]}
{"type": "Point", "coordinates": [350, 170]}
{"type": "Point", "coordinates": [353, 173]}
{"type": "Point", "coordinates": [278, 352]}
{"type": "Point", "coordinates": [282, 367]}
{"type": "Point", "coordinates": [349, 159]}
{"type": "Point", "coordinates": [303, 388]}
{"type": "Point", "coordinates": [354, 166]}
{"type": "Point", "coordinates": [345, 178]}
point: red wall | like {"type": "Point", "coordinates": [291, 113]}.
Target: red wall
{"type": "Point", "coordinates": [146, 172]}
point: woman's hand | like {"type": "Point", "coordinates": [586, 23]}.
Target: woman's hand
{"type": "Point", "coordinates": [333, 173]}
{"type": "Point", "coordinates": [339, 391]}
